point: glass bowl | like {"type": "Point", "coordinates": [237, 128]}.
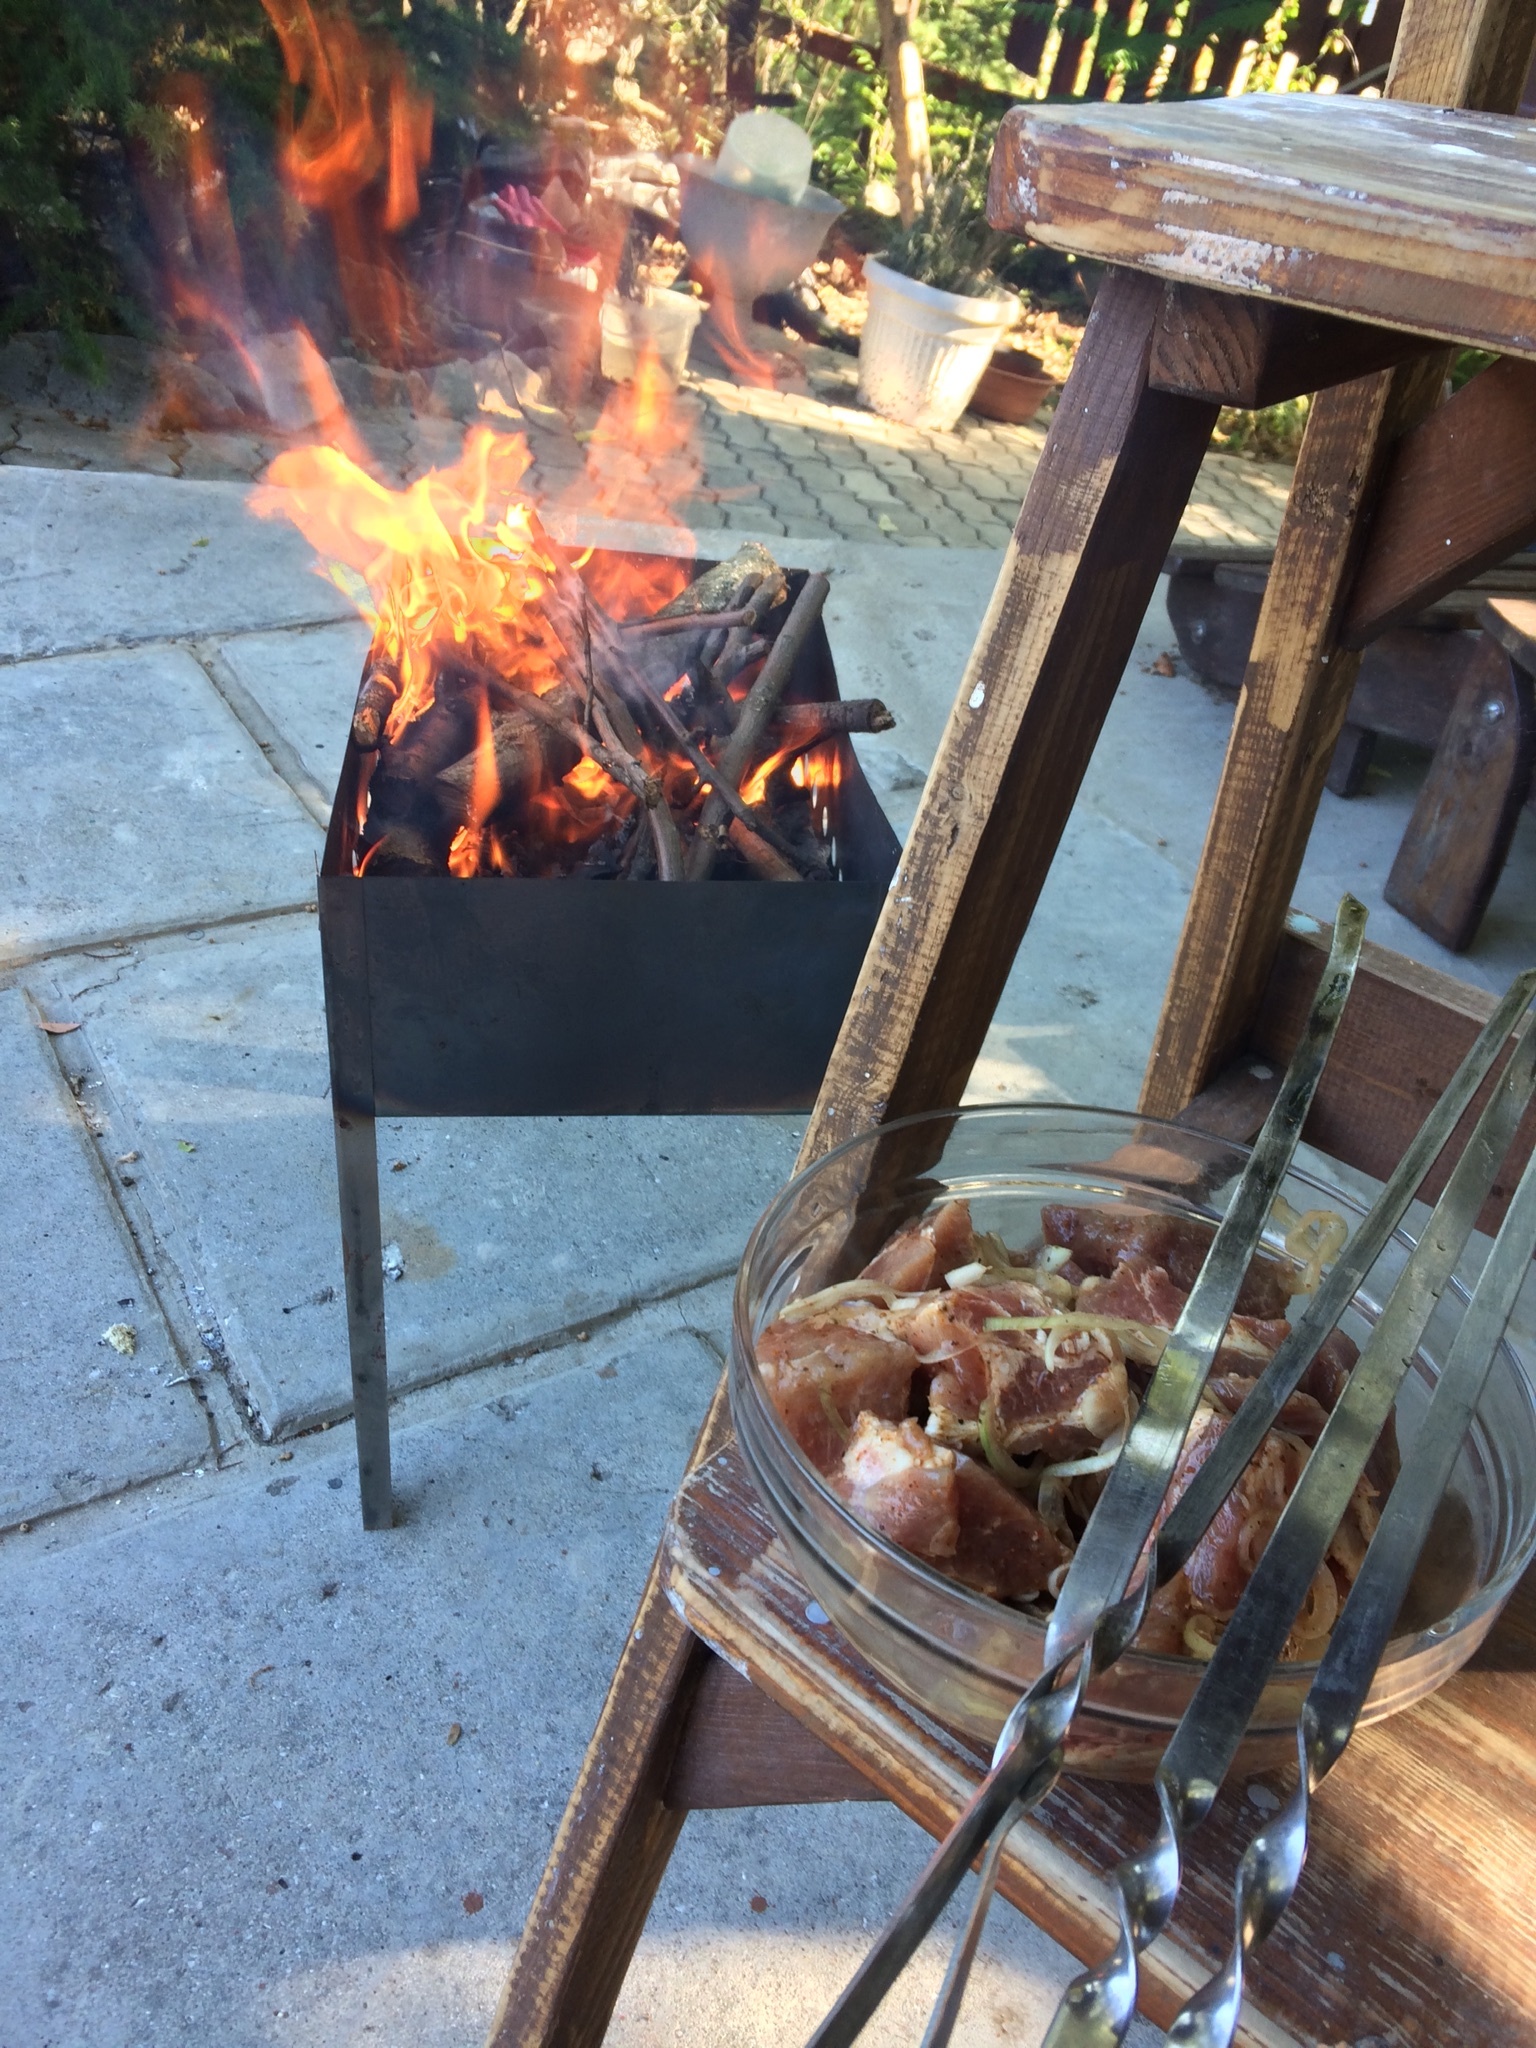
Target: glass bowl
{"type": "Point", "coordinates": [964, 1658]}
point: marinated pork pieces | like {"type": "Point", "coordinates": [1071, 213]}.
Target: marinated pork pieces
{"type": "Point", "coordinates": [966, 1402]}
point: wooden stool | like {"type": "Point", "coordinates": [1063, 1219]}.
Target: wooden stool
{"type": "Point", "coordinates": [1263, 248]}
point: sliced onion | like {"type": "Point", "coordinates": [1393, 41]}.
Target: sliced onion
{"type": "Point", "coordinates": [829, 1297]}
{"type": "Point", "coordinates": [829, 1409]}
{"type": "Point", "coordinates": [1098, 1461]}
{"type": "Point", "coordinates": [1052, 1257]}
{"type": "Point", "coordinates": [962, 1276]}
{"type": "Point", "coordinates": [1008, 1469]}
{"type": "Point", "coordinates": [1196, 1641]}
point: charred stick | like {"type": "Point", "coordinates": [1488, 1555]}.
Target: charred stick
{"type": "Point", "coordinates": [759, 856]}
{"type": "Point", "coordinates": [710, 652]}
{"type": "Point", "coordinates": [376, 698]}
{"type": "Point", "coordinates": [802, 725]}
{"type": "Point", "coordinates": [731, 664]}
{"type": "Point", "coordinates": [756, 715]}
{"type": "Point", "coordinates": [680, 622]}
{"type": "Point", "coordinates": [622, 736]}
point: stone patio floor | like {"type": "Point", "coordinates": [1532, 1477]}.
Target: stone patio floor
{"type": "Point", "coordinates": [235, 1801]}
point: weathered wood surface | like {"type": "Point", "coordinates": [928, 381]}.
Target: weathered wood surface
{"type": "Point", "coordinates": [1295, 699]}
{"type": "Point", "coordinates": [1102, 512]}
{"type": "Point", "coordinates": [1297, 689]}
{"type": "Point", "coordinates": [1512, 622]}
{"type": "Point", "coordinates": [1405, 1031]}
{"type": "Point", "coordinates": [1414, 1921]}
{"type": "Point", "coordinates": [1419, 218]}
{"type": "Point", "coordinates": [1458, 496]}
{"type": "Point", "coordinates": [740, 1748]}
{"type": "Point", "coordinates": [1456, 842]}
{"type": "Point", "coordinates": [1252, 352]}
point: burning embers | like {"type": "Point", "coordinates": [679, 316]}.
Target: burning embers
{"type": "Point", "coordinates": [523, 720]}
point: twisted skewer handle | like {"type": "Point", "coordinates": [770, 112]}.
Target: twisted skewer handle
{"type": "Point", "coordinates": [1272, 1863]}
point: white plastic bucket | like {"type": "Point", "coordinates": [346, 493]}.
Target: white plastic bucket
{"type": "Point", "coordinates": [922, 352]}
{"type": "Point", "coordinates": [664, 322]}
{"type": "Point", "coordinates": [765, 154]}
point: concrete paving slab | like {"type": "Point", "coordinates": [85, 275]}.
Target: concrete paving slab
{"type": "Point", "coordinates": [135, 802]}
{"type": "Point", "coordinates": [508, 1231]}
{"type": "Point", "coordinates": [99, 560]}
{"type": "Point", "coordinates": [78, 1418]}
{"type": "Point", "coordinates": [306, 683]}
{"type": "Point", "coordinates": [233, 1788]}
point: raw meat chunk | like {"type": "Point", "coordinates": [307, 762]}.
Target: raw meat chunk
{"type": "Point", "coordinates": [822, 1375]}
{"type": "Point", "coordinates": [917, 1259]}
{"type": "Point", "coordinates": [1100, 1238]}
{"type": "Point", "coordinates": [1004, 1548]}
{"type": "Point", "coordinates": [902, 1484]}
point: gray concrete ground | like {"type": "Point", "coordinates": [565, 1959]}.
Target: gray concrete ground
{"type": "Point", "coordinates": [236, 1802]}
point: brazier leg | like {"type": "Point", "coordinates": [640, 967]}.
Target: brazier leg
{"type": "Point", "coordinates": [357, 1179]}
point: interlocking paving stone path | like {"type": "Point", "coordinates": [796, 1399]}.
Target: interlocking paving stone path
{"type": "Point", "coordinates": [782, 462]}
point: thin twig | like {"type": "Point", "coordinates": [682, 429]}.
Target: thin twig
{"type": "Point", "coordinates": [751, 727]}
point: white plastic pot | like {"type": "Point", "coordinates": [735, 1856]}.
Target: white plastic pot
{"type": "Point", "coordinates": [664, 323]}
{"type": "Point", "coordinates": [922, 352]}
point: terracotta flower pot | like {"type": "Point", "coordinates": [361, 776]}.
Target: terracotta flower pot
{"type": "Point", "coordinates": [1013, 387]}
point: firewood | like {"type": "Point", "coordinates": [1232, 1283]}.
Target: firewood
{"type": "Point", "coordinates": [802, 725]}
{"type": "Point", "coordinates": [759, 856]}
{"type": "Point", "coordinates": [527, 752]}
{"type": "Point", "coordinates": [663, 624]}
{"type": "Point", "coordinates": [376, 697]}
{"type": "Point", "coordinates": [714, 590]}
{"type": "Point", "coordinates": [752, 725]}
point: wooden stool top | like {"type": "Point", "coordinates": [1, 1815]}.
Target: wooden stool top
{"type": "Point", "coordinates": [1418, 218]}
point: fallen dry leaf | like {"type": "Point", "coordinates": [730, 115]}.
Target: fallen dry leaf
{"type": "Point", "coordinates": [454, 1733]}
{"type": "Point", "coordinates": [127, 1158]}
{"type": "Point", "coordinates": [55, 1030]}
{"type": "Point", "coordinates": [1163, 666]}
{"type": "Point", "coordinates": [473, 1901]}
{"type": "Point", "coordinates": [122, 1337]}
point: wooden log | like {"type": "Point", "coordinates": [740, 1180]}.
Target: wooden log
{"type": "Point", "coordinates": [1248, 352]}
{"type": "Point", "coordinates": [1459, 496]}
{"type": "Point", "coordinates": [1453, 852]}
{"type": "Point", "coordinates": [376, 698]}
{"type": "Point", "coordinates": [759, 856]}
{"type": "Point", "coordinates": [802, 725]}
{"type": "Point", "coordinates": [528, 753]}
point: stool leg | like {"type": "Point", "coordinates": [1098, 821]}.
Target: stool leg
{"type": "Point", "coordinates": [357, 1180]}
{"type": "Point", "coordinates": [1457, 840]}
{"type": "Point", "coordinates": [1102, 511]}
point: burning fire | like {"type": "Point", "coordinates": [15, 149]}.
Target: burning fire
{"type": "Point", "coordinates": [356, 154]}
{"type": "Point", "coordinates": [450, 564]}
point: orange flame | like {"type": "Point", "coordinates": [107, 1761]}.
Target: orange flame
{"type": "Point", "coordinates": [755, 788]}
{"type": "Point", "coordinates": [450, 563]}
{"type": "Point", "coordinates": [362, 118]}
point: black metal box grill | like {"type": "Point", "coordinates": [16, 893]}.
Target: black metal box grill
{"type": "Point", "coordinates": [498, 996]}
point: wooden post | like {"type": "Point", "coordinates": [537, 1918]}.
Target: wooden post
{"type": "Point", "coordinates": [908, 104]}
{"type": "Point", "coordinates": [1299, 679]}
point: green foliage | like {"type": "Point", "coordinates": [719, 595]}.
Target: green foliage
{"type": "Point", "coordinates": [949, 245]}
{"type": "Point", "coordinates": [1272, 434]}
{"type": "Point", "coordinates": [83, 115]}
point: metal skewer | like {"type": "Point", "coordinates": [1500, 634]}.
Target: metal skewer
{"type": "Point", "coordinates": [1098, 2005]}
{"type": "Point", "coordinates": [1092, 1624]}
{"type": "Point", "coordinates": [1197, 1507]}
{"type": "Point", "coordinates": [1271, 1865]}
